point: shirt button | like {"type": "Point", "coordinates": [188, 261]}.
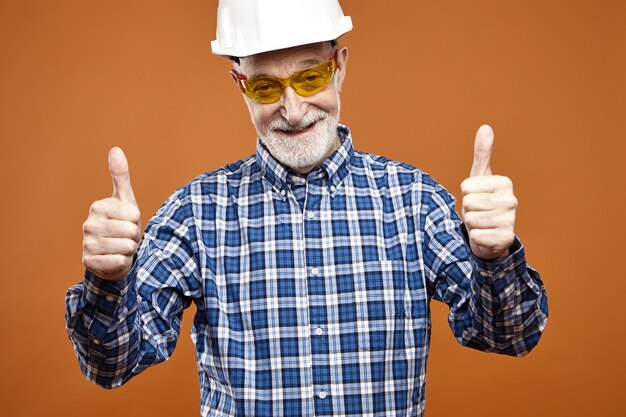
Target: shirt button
{"type": "Point", "coordinates": [315, 271]}
{"type": "Point", "coordinates": [333, 188]}
{"type": "Point", "coordinates": [110, 298]}
{"type": "Point", "coordinates": [283, 192]}
{"type": "Point", "coordinates": [95, 341]}
{"type": "Point", "coordinates": [310, 214]}
{"type": "Point", "coordinates": [319, 331]}
{"type": "Point", "coordinates": [322, 395]}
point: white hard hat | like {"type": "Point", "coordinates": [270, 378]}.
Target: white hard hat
{"type": "Point", "coordinates": [248, 27]}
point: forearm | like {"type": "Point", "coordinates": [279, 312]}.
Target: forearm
{"type": "Point", "coordinates": [119, 329]}
{"type": "Point", "coordinates": [496, 306]}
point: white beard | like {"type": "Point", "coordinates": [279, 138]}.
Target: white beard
{"type": "Point", "coordinates": [302, 153]}
{"type": "Point", "coordinates": [308, 152]}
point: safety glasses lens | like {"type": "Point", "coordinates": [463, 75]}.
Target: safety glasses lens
{"type": "Point", "coordinates": [264, 90]}
{"type": "Point", "coordinates": [311, 81]}
{"type": "Point", "coordinates": [306, 83]}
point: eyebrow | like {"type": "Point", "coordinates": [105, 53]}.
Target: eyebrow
{"type": "Point", "coordinates": [306, 63]}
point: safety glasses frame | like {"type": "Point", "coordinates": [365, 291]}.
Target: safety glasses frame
{"type": "Point", "coordinates": [329, 67]}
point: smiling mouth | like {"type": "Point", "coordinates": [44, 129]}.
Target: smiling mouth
{"type": "Point", "coordinates": [297, 131]}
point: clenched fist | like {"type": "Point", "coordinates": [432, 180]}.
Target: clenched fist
{"type": "Point", "coordinates": [489, 204]}
{"type": "Point", "coordinates": [112, 231]}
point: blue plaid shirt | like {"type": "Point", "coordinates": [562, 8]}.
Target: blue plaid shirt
{"type": "Point", "coordinates": [312, 293]}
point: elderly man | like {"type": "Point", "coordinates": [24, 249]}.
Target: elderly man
{"type": "Point", "coordinates": [311, 265]}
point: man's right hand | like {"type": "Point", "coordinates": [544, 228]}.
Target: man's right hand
{"type": "Point", "coordinates": [112, 231]}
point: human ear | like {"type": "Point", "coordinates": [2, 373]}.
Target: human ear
{"type": "Point", "coordinates": [342, 62]}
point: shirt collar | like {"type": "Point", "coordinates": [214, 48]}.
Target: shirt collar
{"type": "Point", "coordinates": [334, 168]}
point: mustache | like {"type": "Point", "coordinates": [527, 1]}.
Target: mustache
{"type": "Point", "coordinates": [308, 119]}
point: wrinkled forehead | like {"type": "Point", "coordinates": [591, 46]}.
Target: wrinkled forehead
{"type": "Point", "coordinates": [283, 62]}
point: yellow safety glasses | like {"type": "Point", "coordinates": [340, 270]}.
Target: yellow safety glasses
{"type": "Point", "coordinates": [306, 83]}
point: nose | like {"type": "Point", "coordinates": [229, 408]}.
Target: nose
{"type": "Point", "coordinates": [294, 106]}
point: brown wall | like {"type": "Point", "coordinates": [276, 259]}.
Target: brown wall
{"type": "Point", "coordinates": [77, 77]}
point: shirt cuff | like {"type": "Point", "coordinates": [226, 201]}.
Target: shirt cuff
{"type": "Point", "coordinates": [106, 301]}
{"type": "Point", "coordinates": [501, 274]}
{"type": "Point", "coordinates": [105, 296]}
{"type": "Point", "coordinates": [494, 272]}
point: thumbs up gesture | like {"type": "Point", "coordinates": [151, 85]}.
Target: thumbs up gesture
{"type": "Point", "coordinates": [489, 204]}
{"type": "Point", "coordinates": [112, 231]}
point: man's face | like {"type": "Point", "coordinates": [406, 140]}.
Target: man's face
{"type": "Point", "coordinates": [300, 132]}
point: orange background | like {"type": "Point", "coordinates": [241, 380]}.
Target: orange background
{"type": "Point", "coordinates": [77, 77]}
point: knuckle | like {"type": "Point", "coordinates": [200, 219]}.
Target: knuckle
{"type": "Point", "coordinates": [132, 211]}
{"type": "Point", "coordinates": [87, 245]}
{"type": "Point", "coordinates": [115, 263]}
{"type": "Point", "coordinates": [136, 233]}
{"type": "Point", "coordinates": [118, 262]}
{"type": "Point", "coordinates": [476, 201]}
{"type": "Point", "coordinates": [87, 227]}
{"type": "Point", "coordinates": [465, 185]}
{"type": "Point", "coordinates": [131, 247]}
{"type": "Point", "coordinates": [505, 182]}
{"type": "Point", "coordinates": [123, 263]}
{"type": "Point", "coordinates": [90, 246]}
{"type": "Point", "coordinates": [101, 208]}
{"type": "Point", "coordinates": [127, 230]}
{"type": "Point", "coordinates": [486, 241]}
{"type": "Point", "coordinates": [96, 207]}
{"type": "Point", "coordinates": [109, 266]}
{"type": "Point", "coordinates": [474, 235]}
{"type": "Point", "coordinates": [131, 231]}
{"type": "Point", "coordinates": [135, 214]}
{"type": "Point", "coordinates": [91, 227]}
{"type": "Point", "coordinates": [492, 246]}
{"type": "Point", "coordinates": [93, 264]}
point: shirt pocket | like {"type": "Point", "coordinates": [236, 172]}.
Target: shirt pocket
{"type": "Point", "coordinates": [391, 306]}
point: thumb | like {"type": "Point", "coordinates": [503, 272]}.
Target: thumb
{"type": "Point", "coordinates": [482, 152]}
{"type": "Point", "coordinates": [118, 166]}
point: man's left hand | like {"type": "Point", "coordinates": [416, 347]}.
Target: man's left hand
{"type": "Point", "coordinates": [489, 204]}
